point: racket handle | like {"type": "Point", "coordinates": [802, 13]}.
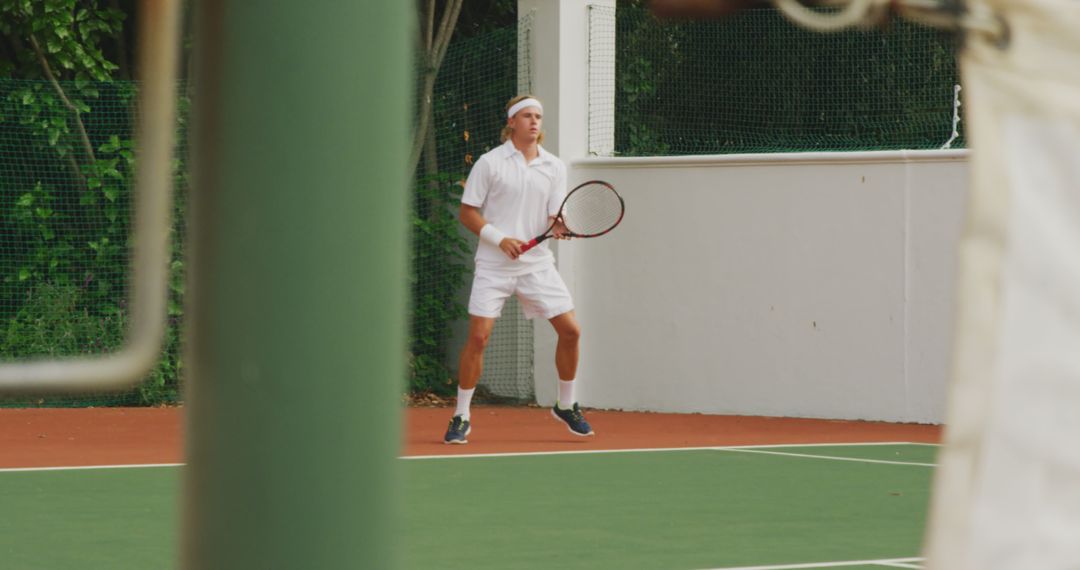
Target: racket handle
{"type": "Point", "coordinates": [532, 243]}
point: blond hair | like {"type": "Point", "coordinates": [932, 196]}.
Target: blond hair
{"type": "Point", "coordinates": [507, 132]}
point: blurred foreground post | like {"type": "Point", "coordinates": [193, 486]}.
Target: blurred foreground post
{"type": "Point", "coordinates": [297, 284]}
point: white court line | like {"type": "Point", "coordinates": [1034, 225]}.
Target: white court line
{"type": "Point", "coordinates": [882, 562]}
{"type": "Point", "coordinates": [833, 458]}
{"type": "Point", "coordinates": [87, 467]}
{"type": "Point", "coordinates": [747, 448]}
{"type": "Point", "coordinates": [902, 565]}
{"type": "Point", "coordinates": [652, 449]}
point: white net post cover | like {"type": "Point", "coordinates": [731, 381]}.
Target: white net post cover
{"type": "Point", "coordinates": [1007, 490]}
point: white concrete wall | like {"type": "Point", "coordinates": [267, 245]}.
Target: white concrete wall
{"type": "Point", "coordinates": [809, 285]}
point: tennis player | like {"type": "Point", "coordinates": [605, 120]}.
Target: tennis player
{"type": "Point", "coordinates": [513, 193]}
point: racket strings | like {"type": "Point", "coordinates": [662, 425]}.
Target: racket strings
{"type": "Point", "coordinates": [592, 209]}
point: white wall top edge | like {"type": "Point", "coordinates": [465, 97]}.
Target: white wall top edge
{"type": "Point", "coordinates": [782, 158]}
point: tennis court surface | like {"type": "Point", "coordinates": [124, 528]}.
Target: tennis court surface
{"type": "Point", "coordinates": [649, 491]}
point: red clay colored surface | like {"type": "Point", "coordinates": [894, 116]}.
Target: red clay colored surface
{"type": "Point", "coordinates": [46, 437]}
{"type": "Point", "coordinates": [120, 436]}
{"type": "Point", "coordinates": [504, 430]}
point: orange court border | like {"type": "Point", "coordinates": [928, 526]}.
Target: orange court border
{"type": "Point", "coordinates": [52, 437]}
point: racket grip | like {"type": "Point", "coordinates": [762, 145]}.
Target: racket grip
{"type": "Point", "coordinates": [532, 243]}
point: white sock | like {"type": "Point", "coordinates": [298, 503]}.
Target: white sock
{"type": "Point", "coordinates": [566, 394]}
{"type": "Point", "coordinates": [464, 398]}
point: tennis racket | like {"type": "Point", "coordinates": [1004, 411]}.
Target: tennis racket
{"type": "Point", "coordinates": [591, 209]}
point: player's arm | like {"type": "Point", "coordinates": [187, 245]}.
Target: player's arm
{"type": "Point", "coordinates": [472, 219]}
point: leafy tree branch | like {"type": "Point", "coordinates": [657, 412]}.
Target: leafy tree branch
{"type": "Point", "coordinates": [435, 44]}
{"type": "Point", "coordinates": [88, 148]}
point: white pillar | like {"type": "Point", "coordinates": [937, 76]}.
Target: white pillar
{"type": "Point", "coordinates": [558, 70]}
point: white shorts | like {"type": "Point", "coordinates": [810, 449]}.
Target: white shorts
{"type": "Point", "coordinates": [541, 294]}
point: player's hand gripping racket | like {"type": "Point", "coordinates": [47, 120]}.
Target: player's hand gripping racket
{"type": "Point", "coordinates": [591, 209]}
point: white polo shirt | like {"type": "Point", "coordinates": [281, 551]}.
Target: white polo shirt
{"type": "Point", "coordinates": [517, 198]}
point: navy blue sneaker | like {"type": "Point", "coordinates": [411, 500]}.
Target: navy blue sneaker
{"type": "Point", "coordinates": [574, 419]}
{"type": "Point", "coordinates": [456, 432]}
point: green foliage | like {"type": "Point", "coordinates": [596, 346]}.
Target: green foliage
{"type": "Point", "coordinates": [66, 237]}
{"type": "Point", "coordinates": [481, 17]}
{"type": "Point", "coordinates": [439, 253]}
{"type": "Point", "coordinates": [638, 78]}
{"type": "Point", "coordinates": [754, 82]}
{"type": "Point", "coordinates": [68, 33]}
{"type": "Point", "coordinates": [478, 76]}
{"type": "Point", "coordinates": [71, 217]}
{"type": "Point", "coordinates": [55, 322]}
{"type": "Point", "coordinates": [66, 181]}
{"type": "Point", "coordinates": [71, 230]}
{"type": "Point", "coordinates": [66, 175]}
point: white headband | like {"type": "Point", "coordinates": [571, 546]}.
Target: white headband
{"type": "Point", "coordinates": [530, 102]}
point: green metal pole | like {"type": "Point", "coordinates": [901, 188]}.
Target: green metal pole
{"type": "Point", "coordinates": [297, 284]}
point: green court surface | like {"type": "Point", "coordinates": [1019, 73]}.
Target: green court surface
{"type": "Point", "coordinates": [768, 507]}
{"type": "Point", "coordinates": [89, 518]}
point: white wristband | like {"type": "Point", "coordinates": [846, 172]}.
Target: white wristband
{"type": "Point", "coordinates": [492, 235]}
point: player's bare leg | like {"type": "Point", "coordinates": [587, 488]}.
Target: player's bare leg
{"type": "Point", "coordinates": [470, 366]}
{"type": "Point", "coordinates": [566, 351]}
{"type": "Point", "coordinates": [566, 362]}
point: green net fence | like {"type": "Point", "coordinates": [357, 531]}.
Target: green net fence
{"type": "Point", "coordinates": [66, 174]}
{"type": "Point", "coordinates": [477, 77]}
{"type": "Point", "coordinates": [66, 169]}
{"type": "Point", "coordinates": [754, 82]}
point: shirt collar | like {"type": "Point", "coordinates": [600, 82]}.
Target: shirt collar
{"type": "Point", "coordinates": [510, 150]}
